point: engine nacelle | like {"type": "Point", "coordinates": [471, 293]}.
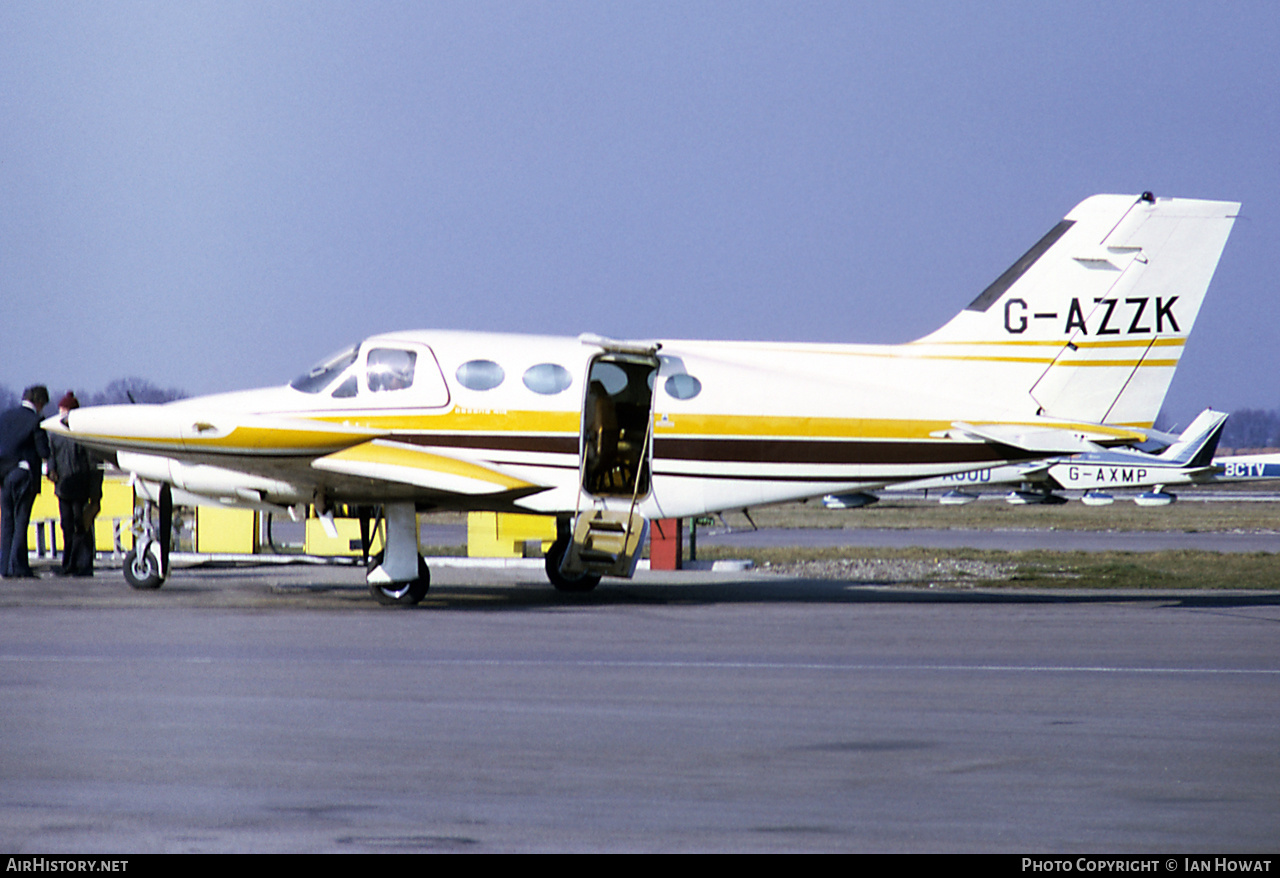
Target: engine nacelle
{"type": "Point", "coordinates": [212, 483]}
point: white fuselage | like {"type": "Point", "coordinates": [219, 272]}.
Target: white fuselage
{"type": "Point", "coordinates": [767, 423]}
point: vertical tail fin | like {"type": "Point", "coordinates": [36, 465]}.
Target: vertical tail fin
{"type": "Point", "coordinates": [1090, 323]}
{"type": "Point", "coordinates": [1198, 443]}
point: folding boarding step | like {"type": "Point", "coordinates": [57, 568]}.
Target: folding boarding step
{"type": "Point", "coordinates": [606, 543]}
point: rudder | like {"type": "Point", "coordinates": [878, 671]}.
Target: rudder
{"type": "Point", "coordinates": [1096, 314]}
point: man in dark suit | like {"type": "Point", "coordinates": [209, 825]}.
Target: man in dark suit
{"type": "Point", "coordinates": [22, 446]}
{"type": "Point", "coordinates": [78, 483]}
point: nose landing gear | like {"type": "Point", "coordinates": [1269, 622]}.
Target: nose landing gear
{"type": "Point", "coordinates": [146, 566]}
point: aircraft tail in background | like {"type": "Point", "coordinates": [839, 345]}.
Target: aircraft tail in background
{"type": "Point", "coordinates": [1198, 443]}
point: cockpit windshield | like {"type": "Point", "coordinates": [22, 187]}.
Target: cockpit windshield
{"type": "Point", "coordinates": [325, 371]}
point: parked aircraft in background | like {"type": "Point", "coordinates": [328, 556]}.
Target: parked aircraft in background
{"type": "Point", "coordinates": [1069, 350]}
{"type": "Point", "coordinates": [1188, 461]}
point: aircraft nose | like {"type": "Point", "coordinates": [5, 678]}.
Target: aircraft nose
{"type": "Point", "coordinates": [54, 425]}
{"type": "Point", "coordinates": [121, 425]}
{"type": "Point", "coordinates": [87, 421]}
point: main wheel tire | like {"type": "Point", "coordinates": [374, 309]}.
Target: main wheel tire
{"type": "Point", "coordinates": [142, 571]}
{"type": "Point", "coordinates": [583, 582]}
{"type": "Point", "coordinates": [400, 594]}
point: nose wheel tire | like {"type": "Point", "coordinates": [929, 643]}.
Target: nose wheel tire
{"type": "Point", "coordinates": [142, 571]}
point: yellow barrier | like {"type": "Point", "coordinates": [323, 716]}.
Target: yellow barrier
{"type": "Point", "coordinates": [44, 536]}
{"type": "Point", "coordinates": [214, 530]}
{"type": "Point", "coordinates": [347, 543]}
{"type": "Point", "coordinates": [116, 515]}
{"type": "Point", "coordinates": [504, 535]}
{"type": "Point", "coordinates": [225, 530]}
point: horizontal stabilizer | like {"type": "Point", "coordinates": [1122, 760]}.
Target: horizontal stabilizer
{"type": "Point", "coordinates": [1037, 473]}
{"type": "Point", "coordinates": [385, 460]}
{"type": "Point", "coordinates": [1075, 439]}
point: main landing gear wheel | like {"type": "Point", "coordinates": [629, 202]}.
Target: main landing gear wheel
{"type": "Point", "coordinates": [583, 582]}
{"type": "Point", "coordinates": [142, 571]}
{"type": "Point", "coordinates": [400, 594]}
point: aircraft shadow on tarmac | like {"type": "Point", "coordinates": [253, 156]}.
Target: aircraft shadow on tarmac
{"type": "Point", "coordinates": [329, 589]}
{"type": "Point", "coordinates": [807, 591]}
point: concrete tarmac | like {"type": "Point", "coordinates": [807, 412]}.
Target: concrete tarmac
{"type": "Point", "coordinates": [280, 709]}
{"type": "Point", "coordinates": [1008, 540]}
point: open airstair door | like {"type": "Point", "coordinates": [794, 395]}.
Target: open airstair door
{"type": "Point", "coordinates": [617, 419]}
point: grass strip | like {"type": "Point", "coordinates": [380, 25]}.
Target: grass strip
{"type": "Point", "coordinates": [1044, 569]}
{"type": "Point", "coordinates": [1188, 516]}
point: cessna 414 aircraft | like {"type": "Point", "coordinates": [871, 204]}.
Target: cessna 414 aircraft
{"type": "Point", "coordinates": [1071, 349]}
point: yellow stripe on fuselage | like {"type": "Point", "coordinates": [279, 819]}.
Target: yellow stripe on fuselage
{"type": "Point", "coordinates": [466, 421]}
{"type": "Point", "coordinates": [270, 439]}
{"type": "Point", "coordinates": [861, 428]}
{"type": "Point", "coordinates": [695, 424]}
{"type": "Point", "coordinates": [277, 439]}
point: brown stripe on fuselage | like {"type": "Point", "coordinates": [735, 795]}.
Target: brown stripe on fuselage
{"type": "Point", "coordinates": [829, 451]}
{"type": "Point", "coordinates": [744, 450]}
{"type": "Point", "coordinates": [495, 441]}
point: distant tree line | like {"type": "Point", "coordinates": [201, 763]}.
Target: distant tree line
{"type": "Point", "coordinates": [1252, 428]}
{"type": "Point", "coordinates": [118, 392]}
{"type": "Point", "coordinates": [136, 390]}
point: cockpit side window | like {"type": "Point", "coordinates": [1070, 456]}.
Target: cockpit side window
{"type": "Point", "coordinates": [389, 369]}
{"type": "Point", "coordinates": [320, 375]}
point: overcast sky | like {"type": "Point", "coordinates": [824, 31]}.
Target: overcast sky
{"type": "Point", "coordinates": [215, 195]}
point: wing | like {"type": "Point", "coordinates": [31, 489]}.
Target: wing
{"type": "Point", "coordinates": [386, 460]}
